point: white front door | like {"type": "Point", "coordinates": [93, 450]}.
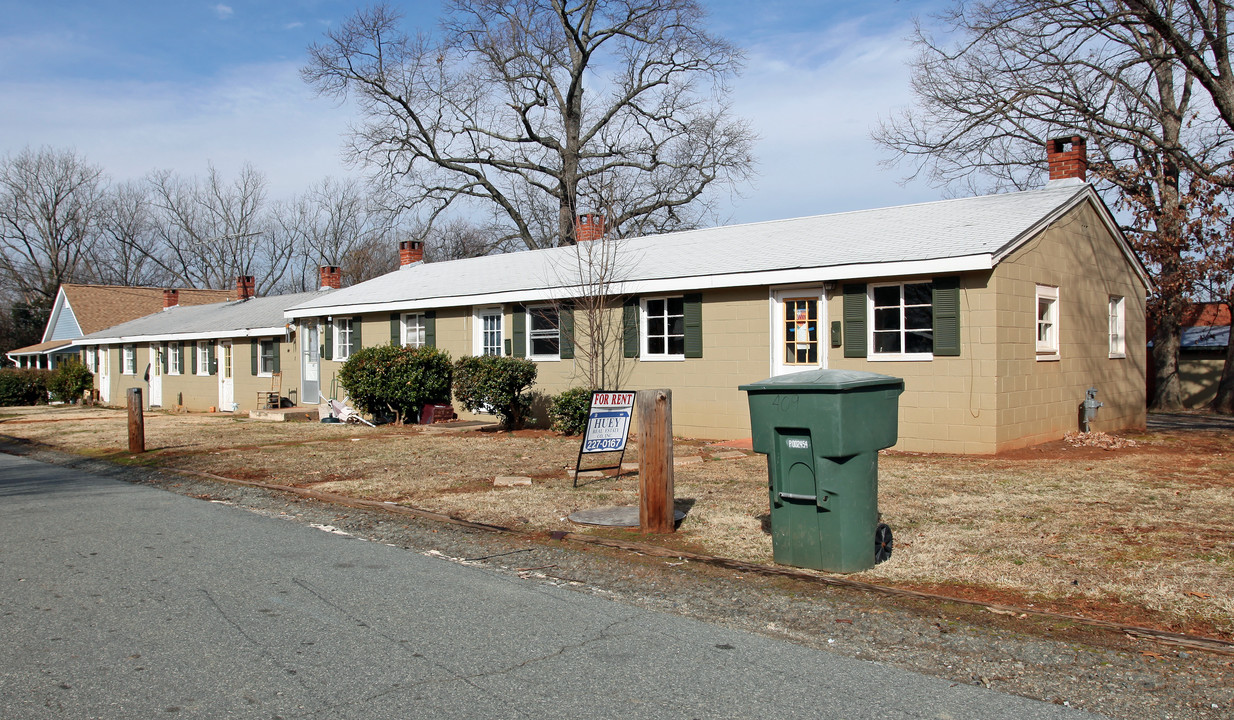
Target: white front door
{"type": "Point", "coordinates": [104, 374]}
{"type": "Point", "coordinates": [156, 376]}
{"type": "Point", "coordinates": [310, 353]}
{"type": "Point", "coordinates": [799, 333]}
{"type": "Point", "coordinates": [227, 391]}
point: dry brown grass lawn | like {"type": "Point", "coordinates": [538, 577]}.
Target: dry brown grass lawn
{"type": "Point", "coordinates": [1143, 534]}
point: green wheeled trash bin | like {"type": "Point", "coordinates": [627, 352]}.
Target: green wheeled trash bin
{"type": "Point", "coordinates": [821, 431]}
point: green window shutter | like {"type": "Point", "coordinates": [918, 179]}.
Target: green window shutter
{"type": "Point", "coordinates": [855, 320]}
{"type": "Point", "coordinates": [565, 329]}
{"type": "Point", "coordinates": [180, 359]}
{"type": "Point", "coordinates": [193, 370]}
{"type": "Point", "coordinates": [629, 321]}
{"type": "Point", "coordinates": [327, 346]}
{"type": "Point", "coordinates": [947, 316]}
{"type": "Point", "coordinates": [694, 324]}
{"type": "Point", "coordinates": [163, 354]}
{"type": "Point", "coordinates": [519, 336]}
{"type": "Point", "coordinates": [395, 330]}
{"type": "Point", "coordinates": [253, 345]}
{"type": "Point", "coordinates": [356, 341]}
{"type": "Point", "coordinates": [430, 328]}
{"type": "Point", "coordinates": [212, 358]}
{"type": "Point", "coordinates": [278, 351]}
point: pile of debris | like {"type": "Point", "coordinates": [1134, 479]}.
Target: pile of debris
{"type": "Point", "coordinates": [1105, 441]}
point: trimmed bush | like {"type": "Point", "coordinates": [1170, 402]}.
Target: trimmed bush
{"type": "Point", "coordinates": [70, 381]}
{"type": "Point", "coordinates": [23, 387]}
{"type": "Point", "coordinates": [569, 411]}
{"type": "Point", "coordinates": [495, 384]}
{"type": "Point", "coordinates": [399, 379]}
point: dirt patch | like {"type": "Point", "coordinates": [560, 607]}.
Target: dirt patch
{"type": "Point", "coordinates": [1141, 534]}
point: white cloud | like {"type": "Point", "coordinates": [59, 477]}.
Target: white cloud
{"type": "Point", "coordinates": [223, 11]}
{"type": "Point", "coordinates": [293, 25]}
{"type": "Point", "coordinates": [813, 99]}
{"type": "Point", "coordinates": [263, 114]}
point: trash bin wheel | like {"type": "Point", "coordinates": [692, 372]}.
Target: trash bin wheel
{"type": "Point", "coordinates": [882, 543]}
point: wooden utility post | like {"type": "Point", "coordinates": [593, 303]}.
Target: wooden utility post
{"type": "Point", "coordinates": [655, 461]}
{"type": "Point", "coordinates": [137, 423]}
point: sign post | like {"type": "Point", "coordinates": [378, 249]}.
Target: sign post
{"type": "Point", "coordinates": [137, 423]}
{"type": "Point", "coordinates": [655, 461]}
{"type": "Point", "coordinates": [608, 427]}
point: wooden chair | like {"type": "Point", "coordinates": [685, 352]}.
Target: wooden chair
{"type": "Point", "coordinates": [272, 398]}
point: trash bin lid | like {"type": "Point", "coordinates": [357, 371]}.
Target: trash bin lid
{"type": "Point", "coordinates": [823, 380]}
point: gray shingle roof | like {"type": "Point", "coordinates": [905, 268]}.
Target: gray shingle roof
{"type": "Point", "coordinates": [966, 227]}
{"type": "Point", "coordinates": [228, 319]}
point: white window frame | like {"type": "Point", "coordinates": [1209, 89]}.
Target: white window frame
{"type": "Point", "coordinates": [554, 334]}
{"type": "Point", "coordinates": [644, 337]}
{"type": "Point", "coordinates": [128, 359]}
{"type": "Point", "coordinates": [262, 344]}
{"type": "Point", "coordinates": [413, 335]}
{"type": "Point", "coordinates": [478, 336]}
{"type": "Point", "coordinates": [203, 356]}
{"type": "Point", "coordinates": [874, 356]}
{"type": "Point", "coordinates": [1047, 348]}
{"type": "Point", "coordinates": [173, 357]}
{"type": "Point", "coordinates": [343, 350]}
{"type": "Point", "coordinates": [1118, 326]}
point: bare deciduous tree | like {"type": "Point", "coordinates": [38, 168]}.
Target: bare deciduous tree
{"type": "Point", "coordinates": [210, 230]}
{"type": "Point", "coordinates": [50, 204]}
{"type": "Point", "coordinates": [127, 224]}
{"type": "Point", "coordinates": [535, 109]}
{"type": "Point", "coordinates": [1023, 71]}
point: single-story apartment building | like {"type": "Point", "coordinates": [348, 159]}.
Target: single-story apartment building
{"type": "Point", "coordinates": [226, 355]}
{"type": "Point", "coordinates": [1202, 349]}
{"type": "Point", "coordinates": [999, 312]}
{"type": "Point", "coordinates": [83, 309]}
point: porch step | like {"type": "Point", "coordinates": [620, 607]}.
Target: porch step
{"type": "Point", "coordinates": [291, 414]}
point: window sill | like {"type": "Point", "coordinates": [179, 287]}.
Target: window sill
{"type": "Point", "coordinates": [1118, 356]}
{"type": "Point", "coordinates": [544, 358]}
{"type": "Point", "coordinates": [901, 357]}
{"type": "Point", "coordinates": [1048, 357]}
{"type": "Point", "coordinates": [662, 358]}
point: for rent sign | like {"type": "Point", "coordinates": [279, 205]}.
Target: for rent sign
{"type": "Point", "coordinates": [608, 422]}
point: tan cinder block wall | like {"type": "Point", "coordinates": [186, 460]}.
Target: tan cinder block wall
{"type": "Point", "coordinates": [1039, 400]}
{"type": "Point", "coordinates": [1200, 372]}
{"type": "Point", "coordinates": [949, 403]}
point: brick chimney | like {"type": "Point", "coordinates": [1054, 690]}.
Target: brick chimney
{"type": "Point", "coordinates": [331, 277]}
{"type": "Point", "coordinates": [410, 251]}
{"type": "Point", "coordinates": [244, 287]}
{"type": "Point", "coordinates": [171, 298]}
{"type": "Point", "coordinates": [588, 227]}
{"type": "Point", "coordinates": [1068, 157]}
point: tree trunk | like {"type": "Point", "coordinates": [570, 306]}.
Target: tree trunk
{"type": "Point", "coordinates": [1168, 395]}
{"type": "Point", "coordinates": [1224, 401]}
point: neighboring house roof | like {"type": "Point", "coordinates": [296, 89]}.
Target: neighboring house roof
{"type": "Point", "coordinates": [945, 236]}
{"type": "Point", "coordinates": [1205, 337]}
{"type": "Point", "coordinates": [40, 348]}
{"type": "Point", "coordinates": [84, 309]}
{"type": "Point", "coordinates": [255, 317]}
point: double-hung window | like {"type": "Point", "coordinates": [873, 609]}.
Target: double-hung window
{"type": "Point", "coordinates": [543, 336]}
{"type": "Point", "coordinates": [413, 330]}
{"type": "Point", "coordinates": [902, 321]}
{"type": "Point", "coordinates": [1047, 322]}
{"type": "Point", "coordinates": [342, 338]}
{"type": "Point", "coordinates": [128, 360]}
{"type": "Point", "coordinates": [265, 358]}
{"type": "Point", "coordinates": [173, 358]}
{"type": "Point", "coordinates": [91, 355]}
{"type": "Point", "coordinates": [1118, 327]}
{"type": "Point", "coordinates": [203, 356]}
{"type": "Point", "coordinates": [664, 336]}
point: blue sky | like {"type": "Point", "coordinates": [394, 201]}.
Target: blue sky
{"type": "Point", "coordinates": [175, 84]}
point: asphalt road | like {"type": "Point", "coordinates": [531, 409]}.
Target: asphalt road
{"type": "Point", "coordinates": [123, 601]}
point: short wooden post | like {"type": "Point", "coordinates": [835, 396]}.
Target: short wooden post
{"type": "Point", "coordinates": [137, 423]}
{"type": "Point", "coordinates": [655, 461]}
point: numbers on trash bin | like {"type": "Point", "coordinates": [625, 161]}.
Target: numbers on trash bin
{"type": "Point", "coordinates": [785, 403]}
